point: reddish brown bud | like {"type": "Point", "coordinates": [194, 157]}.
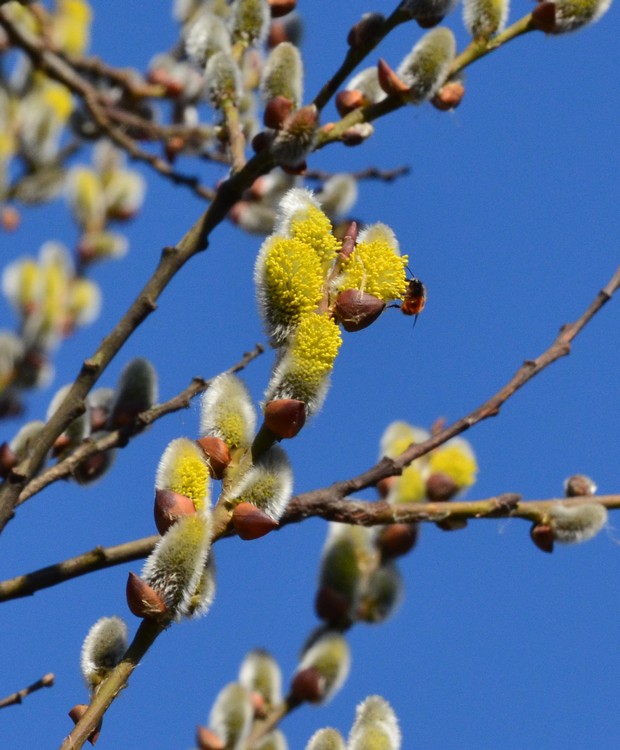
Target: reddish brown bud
{"type": "Point", "coordinates": [142, 599]}
{"type": "Point", "coordinates": [276, 112]}
{"type": "Point", "coordinates": [98, 418]}
{"type": "Point", "coordinates": [331, 606]}
{"type": "Point", "coordinates": [440, 487]}
{"type": "Point", "coordinates": [308, 685]}
{"type": "Point", "coordinates": [384, 486]}
{"type": "Point", "coordinates": [92, 467]}
{"type": "Point", "coordinates": [389, 80]}
{"type": "Point", "coordinates": [251, 522]}
{"type": "Point", "coordinates": [365, 31]}
{"type": "Point", "coordinates": [10, 218]}
{"type": "Point", "coordinates": [543, 17]}
{"type": "Point", "coordinates": [579, 485]}
{"type": "Point", "coordinates": [169, 507]}
{"type": "Point", "coordinates": [397, 539]}
{"type": "Point", "coordinates": [174, 146]}
{"type": "Point", "coordinates": [217, 453]}
{"type": "Point", "coordinates": [295, 169]}
{"type": "Point", "coordinates": [76, 714]}
{"type": "Point", "coordinates": [285, 417]}
{"type": "Point", "coordinates": [449, 96]}
{"type": "Point", "coordinates": [259, 705]}
{"type": "Point", "coordinates": [208, 740]}
{"type": "Point", "coordinates": [428, 23]}
{"type": "Point", "coordinates": [357, 310]}
{"type": "Point", "coordinates": [451, 524]}
{"type": "Point", "coordinates": [277, 34]}
{"type": "Point", "coordinates": [281, 8]}
{"type": "Point", "coordinates": [8, 459]}
{"type": "Point", "coordinates": [61, 444]}
{"type": "Point", "coordinates": [349, 239]}
{"type": "Point", "coordinates": [542, 536]}
{"type": "Point", "coordinates": [347, 101]}
{"type": "Point", "coordinates": [261, 141]}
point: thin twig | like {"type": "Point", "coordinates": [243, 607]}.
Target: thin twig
{"type": "Point", "coordinates": [370, 173]}
{"type": "Point", "coordinates": [301, 507]}
{"type": "Point", "coordinates": [490, 408]}
{"type": "Point", "coordinates": [11, 700]}
{"type": "Point", "coordinates": [474, 51]}
{"type": "Point", "coordinates": [60, 70]}
{"type": "Point", "coordinates": [98, 558]}
{"type": "Point", "coordinates": [122, 436]}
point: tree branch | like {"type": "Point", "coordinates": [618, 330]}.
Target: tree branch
{"type": "Point", "coordinates": [389, 467]}
{"type": "Point", "coordinates": [11, 700]}
{"type": "Point", "coordinates": [122, 436]}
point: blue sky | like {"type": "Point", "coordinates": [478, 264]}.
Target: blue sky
{"type": "Point", "coordinates": [510, 216]}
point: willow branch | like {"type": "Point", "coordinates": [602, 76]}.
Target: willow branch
{"type": "Point", "coordinates": [274, 717]}
{"type": "Point", "coordinates": [60, 70]}
{"type": "Point", "coordinates": [354, 512]}
{"type": "Point", "coordinates": [530, 368]}
{"type": "Point", "coordinates": [121, 437]}
{"type": "Point", "coordinates": [370, 173]}
{"type": "Point", "coordinates": [145, 636]}
{"type": "Point", "coordinates": [11, 700]}
{"type": "Point", "coordinates": [171, 261]}
{"type": "Point", "coordinates": [355, 55]}
{"type": "Point", "coordinates": [474, 51]}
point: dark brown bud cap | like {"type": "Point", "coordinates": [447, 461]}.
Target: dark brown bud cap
{"type": "Point", "coordinates": [208, 740]}
{"type": "Point", "coordinates": [451, 524]}
{"type": "Point", "coordinates": [542, 536]}
{"type": "Point", "coordinates": [365, 30]}
{"type": "Point", "coordinates": [384, 486]}
{"type": "Point", "coordinates": [332, 607]}
{"type": "Point", "coordinates": [8, 459]}
{"type": "Point", "coordinates": [169, 507]}
{"type": "Point", "coordinates": [356, 310]}
{"type": "Point", "coordinates": [251, 522]}
{"type": "Point", "coordinates": [143, 600]}
{"type": "Point", "coordinates": [579, 485]}
{"type": "Point", "coordinates": [308, 686]}
{"type": "Point", "coordinates": [543, 17]}
{"type": "Point", "coordinates": [440, 487]}
{"type": "Point", "coordinates": [217, 453]}
{"type": "Point", "coordinates": [389, 80]}
{"type": "Point", "coordinates": [449, 96]}
{"type": "Point", "coordinates": [285, 417]}
{"type": "Point", "coordinates": [76, 714]}
{"type": "Point", "coordinates": [281, 8]}
{"type": "Point", "coordinates": [347, 101]}
{"type": "Point", "coordinates": [276, 112]}
{"type": "Point", "coordinates": [397, 539]}
{"type": "Point", "coordinates": [428, 23]}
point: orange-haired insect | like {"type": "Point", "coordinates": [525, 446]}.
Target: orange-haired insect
{"type": "Point", "coordinates": [414, 299]}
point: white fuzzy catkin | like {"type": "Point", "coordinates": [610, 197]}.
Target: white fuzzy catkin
{"type": "Point", "coordinates": [374, 715]}
{"type": "Point", "coordinates": [175, 567]}
{"type": "Point", "coordinates": [326, 739]}
{"type": "Point", "coordinates": [227, 412]}
{"type": "Point", "coordinates": [484, 18]}
{"type": "Point", "coordinates": [571, 15]}
{"type": "Point", "coordinates": [268, 484]}
{"type": "Point", "coordinates": [577, 523]}
{"type": "Point", "coordinates": [283, 74]}
{"type": "Point", "coordinates": [260, 673]}
{"type": "Point", "coordinates": [330, 656]}
{"type": "Point", "coordinates": [426, 67]}
{"type": "Point", "coordinates": [103, 648]}
{"type": "Point", "coordinates": [231, 716]}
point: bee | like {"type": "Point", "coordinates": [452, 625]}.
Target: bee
{"type": "Point", "coordinates": [415, 298]}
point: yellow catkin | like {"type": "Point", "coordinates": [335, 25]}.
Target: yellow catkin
{"type": "Point", "coordinates": [457, 461]}
{"type": "Point", "coordinates": [376, 269]}
{"type": "Point", "coordinates": [315, 229]}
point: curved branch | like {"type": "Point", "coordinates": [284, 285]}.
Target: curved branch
{"type": "Point", "coordinates": [389, 467]}
{"type": "Point", "coordinates": [121, 437]}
